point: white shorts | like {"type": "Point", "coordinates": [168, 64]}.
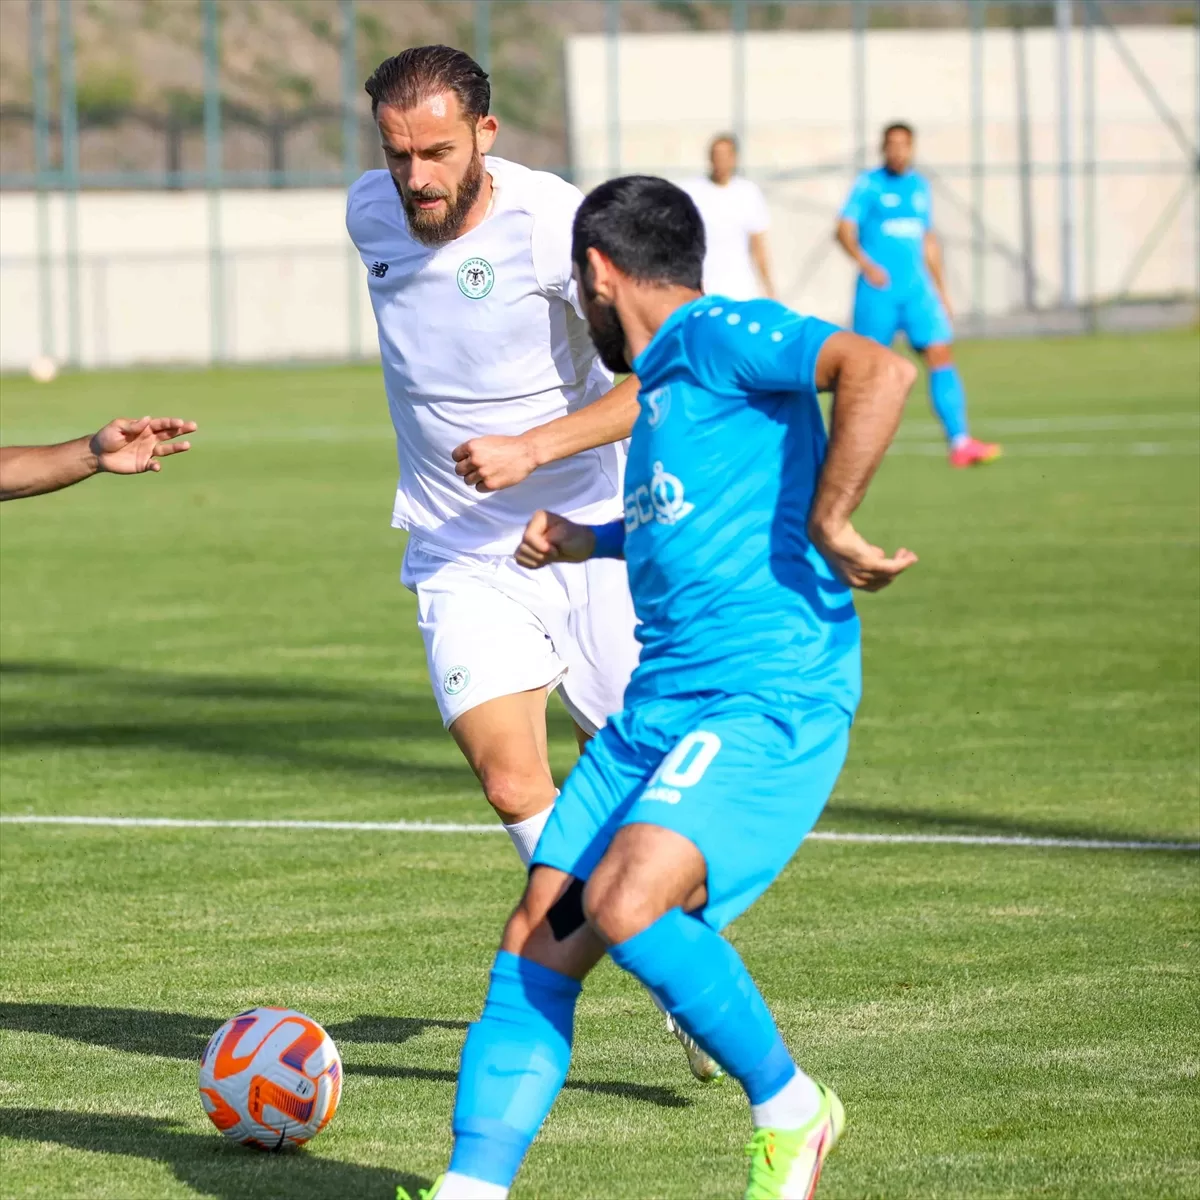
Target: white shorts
{"type": "Point", "coordinates": [492, 628]}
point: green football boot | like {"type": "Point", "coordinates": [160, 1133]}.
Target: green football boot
{"type": "Point", "coordinates": [785, 1164]}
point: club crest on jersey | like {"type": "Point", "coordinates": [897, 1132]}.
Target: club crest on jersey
{"type": "Point", "coordinates": [455, 680]}
{"type": "Point", "coordinates": [475, 278]}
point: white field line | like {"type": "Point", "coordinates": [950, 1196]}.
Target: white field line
{"type": "Point", "coordinates": [887, 839]}
{"type": "Point", "coordinates": [1092, 423]}
{"type": "Point", "coordinates": [1063, 449]}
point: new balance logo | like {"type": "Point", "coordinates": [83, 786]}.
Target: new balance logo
{"type": "Point", "coordinates": [379, 269]}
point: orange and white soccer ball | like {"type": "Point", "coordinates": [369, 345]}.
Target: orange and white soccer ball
{"type": "Point", "coordinates": [270, 1078]}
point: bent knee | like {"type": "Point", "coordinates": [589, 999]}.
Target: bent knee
{"type": "Point", "coordinates": [516, 794]}
{"type": "Point", "coordinates": [938, 355]}
{"type": "Point", "coordinates": [618, 910]}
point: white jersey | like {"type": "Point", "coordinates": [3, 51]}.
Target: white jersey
{"type": "Point", "coordinates": [484, 335]}
{"type": "Point", "coordinates": [731, 213]}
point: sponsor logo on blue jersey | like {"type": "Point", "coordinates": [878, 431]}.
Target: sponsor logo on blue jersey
{"type": "Point", "coordinates": [660, 501]}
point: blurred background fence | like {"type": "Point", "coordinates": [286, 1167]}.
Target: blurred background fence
{"type": "Point", "coordinates": [172, 172]}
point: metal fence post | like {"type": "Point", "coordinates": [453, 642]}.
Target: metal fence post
{"type": "Point", "coordinates": [212, 181]}
{"type": "Point", "coordinates": [483, 34]}
{"type": "Point", "coordinates": [612, 14]}
{"type": "Point", "coordinates": [1089, 167]}
{"type": "Point", "coordinates": [69, 125]}
{"type": "Point", "coordinates": [350, 169]}
{"type": "Point", "coordinates": [41, 159]}
{"type": "Point", "coordinates": [1063, 21]}
{"type": "Point", "coordinates": [978, 150]}
{"type": "Point", "coordinates": [739, 74]}
{"type": "Point", "coordinates": [1024, 166]}
{"type": "Point", "coordinates": [859, 82]}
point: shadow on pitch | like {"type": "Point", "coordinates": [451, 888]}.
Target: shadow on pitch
{"type": "Point", "coordinates": [301, 724]}
{"type": "Point", "coordinates": [208, 1164]}
{"type": "Point", "coordinates": [925, 820]}
{"type": "Point", "coordinates": [644, 1093]}
{"type": "Point", "coordinates": [182, 1035]}
{"type": "Point", "coordinates": [304, 725]}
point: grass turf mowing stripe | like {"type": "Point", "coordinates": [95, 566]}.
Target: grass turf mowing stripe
{"type": "Point", "coordinates": [887, 839]}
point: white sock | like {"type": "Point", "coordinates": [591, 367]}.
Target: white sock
{"type": "Point", "coordinates": [465, 1187]}
{"type": "Point", "coordinates": [525, 833]}
{"type": "Point", "coordinates": [959, 440]}
{"type": "Point", "coordinates": [792, 1107]}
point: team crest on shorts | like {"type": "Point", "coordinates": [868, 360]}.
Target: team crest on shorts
{"type": "Point", "coordinates": [475, 278]}
{"type": "Point", "coordinates": [455, 680]}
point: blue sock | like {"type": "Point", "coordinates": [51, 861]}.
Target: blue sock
{"type": "Point", "coordinates": [513, 1066]}
{"type": "Point", "coordinates": [949, 400]}
{"type": "Point", "coordinates": [705, 986]}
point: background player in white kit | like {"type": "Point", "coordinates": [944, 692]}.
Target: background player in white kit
{"type": "Point", "coordinates": [735, 218]}
{"type": "Point", "coordinates": [481, 331]}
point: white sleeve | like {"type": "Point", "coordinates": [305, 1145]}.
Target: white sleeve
{"type": "Point", "coordinates": [361, 225]}
{"type": "Point", "coordinates": [758, 218]}
{"type": "Point", "coordinates": [552, 227]}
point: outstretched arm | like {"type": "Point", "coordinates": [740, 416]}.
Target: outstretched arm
{"type": "Point", "coordinates": [869, 385]}
{"type": "Point", "coordinates": [490, 463]}
{"type": "Point", "coordinates": [123, 446]}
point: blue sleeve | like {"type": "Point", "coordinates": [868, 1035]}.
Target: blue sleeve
{"type": "Point", "coordinates": [859, 200]}
{"type": "Point", "coordinates": [927, 214]}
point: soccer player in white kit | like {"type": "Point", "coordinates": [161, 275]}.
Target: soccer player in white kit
{"type": "Point", "coordinates": [735, 218]}
{"type": "Point", "coordinates": [468, 261]}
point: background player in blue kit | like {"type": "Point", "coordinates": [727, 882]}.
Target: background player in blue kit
{"type": "Point", "coordinates": [886, 227]}
{"type": "Point", "coordinates": [688, 804]}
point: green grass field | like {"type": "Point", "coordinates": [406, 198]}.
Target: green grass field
{"type": "Point", "coordinates": [229, 639]}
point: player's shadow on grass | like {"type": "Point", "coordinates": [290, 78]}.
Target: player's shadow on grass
{"type": "Point", "coordinates": [300, 723]}
{"type": "Point", "coordinates": [304, 724]}
{"type": "Point", "coordinates": [209, 1165]}
{"type": "Point", "coordinates": [645, 1093]}
{"type": "Point", "coordinates": [183, 1035]}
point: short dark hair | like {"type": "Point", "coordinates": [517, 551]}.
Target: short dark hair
{"type": "Point", "coordinates": [898, 127]}
{"type": "Point", "coordinates": [649, 228]}
{"type": "Point", "coordinates": [419, 72]}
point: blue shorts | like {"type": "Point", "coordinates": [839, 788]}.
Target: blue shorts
{"type": "Point", "coordinates": [918, 313]}
{"type": "Point", "coordinates": [742, 778]}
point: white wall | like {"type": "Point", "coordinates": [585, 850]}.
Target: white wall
{"type": "Point", "coordinates": [145, 277]}
{"type": "Point", "coordinates": [676, 90]}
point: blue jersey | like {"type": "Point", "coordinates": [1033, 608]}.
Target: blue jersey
{"type": "Point", "coordinates": [723, 464]}
{"type": "Point", "coordinates": [893, 214]}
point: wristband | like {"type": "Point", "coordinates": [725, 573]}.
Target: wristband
{"type": "Point", "coordinates": [610, 540]}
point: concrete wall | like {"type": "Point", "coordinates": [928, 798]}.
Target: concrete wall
{"type": "Point", "coordinates": [800, 107]}
{"type": "Point", "coordinates": [289, 283]}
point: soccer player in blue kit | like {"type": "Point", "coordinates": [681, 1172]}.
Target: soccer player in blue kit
{"type": "Point", "coordinates": [689, 803]}
{"type": "Point", "coordinates": [886, 228]}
